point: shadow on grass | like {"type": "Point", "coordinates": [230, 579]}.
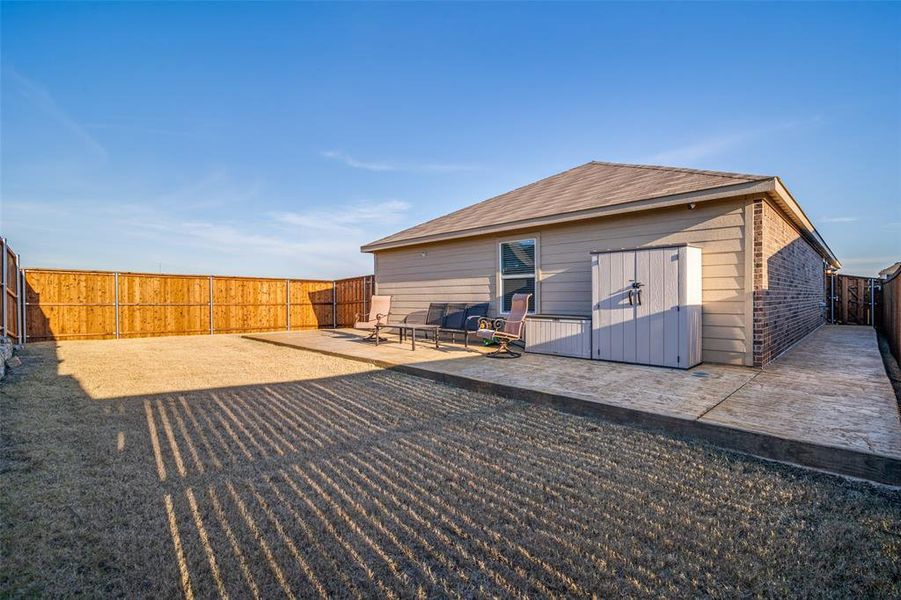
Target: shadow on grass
{"type": "Point", "coordinates": [384, 484]}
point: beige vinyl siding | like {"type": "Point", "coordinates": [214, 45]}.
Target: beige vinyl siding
{"type": "Point", "coordinates": [466, 270]}
{"type": "Point", "coordinates": [718, 228]}
{"type": "Point", "coordinates": [459, 271]}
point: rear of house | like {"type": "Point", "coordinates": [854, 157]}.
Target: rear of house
{"type": "Point", "coordinates": [762, 261]}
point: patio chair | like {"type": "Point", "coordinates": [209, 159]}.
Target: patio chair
{"type": "Point", "coordinates": [506, 330]}
{"type": "Point", "coordinates": [379, 310]}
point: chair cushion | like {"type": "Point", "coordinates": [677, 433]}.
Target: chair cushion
{"type": "Point", "coordinates": [364, 325]}
{"type": "Point", "coordinates": [485, 333]}
{"type": "Point", "coordinates": [454, 316]}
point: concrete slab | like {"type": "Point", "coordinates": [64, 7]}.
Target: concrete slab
{"type": "Point", "coordinates": [830, 389]}
{"type": "Point", "coordinates": [826, 404]}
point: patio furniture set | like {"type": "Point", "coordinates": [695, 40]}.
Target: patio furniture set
{"type": "Point", "coordinates": [452, 319]}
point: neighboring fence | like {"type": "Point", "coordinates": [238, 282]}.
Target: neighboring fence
{"type": "Point", "coordinates": [890, 321]}
{"type": "Point", "coordinates": [66, 305]}
{"type": "Point", "coordinates": [853, 299]}
{"type": "Point", "coordinates": [10, 291]}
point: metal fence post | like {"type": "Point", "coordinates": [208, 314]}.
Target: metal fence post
{"type": "Point", "coordinates": [117, 304]}
{"type": "Point", "coordinates": [872, 302]}
{"type": "Point", "coordinates": [24, 308]}
{"type": "Point", "coordinates": [288, 304]}
{"type": "Point", "coordinates": [3, 245]}
{"type": "Point", "coordinates": [20, 295]}
{"type": "Point", "coordinates": [334, 304]}
{"type": "Point", "coordinates": [211, 305]}
{"type": "Point", "coordinates": [832, 298]}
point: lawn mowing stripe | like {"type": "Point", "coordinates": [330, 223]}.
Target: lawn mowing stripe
{"type": "Point", "coordinates": [313, 539]}
{"type": "Point", "coordinates": [479, 485]}
{"type": "Point", "coordinates": [246, 419]}
{"type": "Point", "coordinates": [179, 553]}
{"type": "Point", "coordinates": [340, 401]}
{"type": "Point", "coordinates": [644, 454]}
{"type": "Point", "coordinates": [542, 489]}
{"type": "Point", "coordinates": [377, 524]}
{"type": "Point", "coordinates": [622, 490]}
{"type": "Point", "coordinates": [293, 418]}
{"type": "Point", "coordinates": [495, 536]}
{"type": "Point", "coordinates": [338, 537]}
{"type": "Point", "coordinates": [324, 424]}
{"type": "Point", "coordinates": [429, 408]}
{"type": "Point", "coordinates": [200, 432]}
{"type": "Point", "coordinates": [323, 401]}
{"type": "Point", "coordinates": [240, 426]}
{"type": "Point", "coordinates": [431, 392]}
{"type": "Point", "coordinates": [255, 419]}
{"type": "Point", "coordinates": [335, 508]}
{"type": "Point", "coordinates": [261, 540]}
{"type": "Point", "coordinates": [430, 549]}
{"type": "Point", "coordinates": [202, 409]}
{"type": "Point", "coordinates": [647, 453]}
{"type": "Point", "coordinates": [286, 539]}
{"type": "Point", "coordinates": [236, 548]}
{"type": "Point", "coordinates": [205, 542]}
{"type": "Point", "coordinates": [500, 580]}
{"type": "Point", "coordinates": [375, 396]}
{"type": "Point", "coordinates": [170, 435]}
{"type": "Point", "coordinates": [155, 442]}
{"type": "Point", "coordinates": [475, 530]}
{"type": "Point", "coordinates": [184, 434]}
{"type": "Point", "coordinates": [258, 403]}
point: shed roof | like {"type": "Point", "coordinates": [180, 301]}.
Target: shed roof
{"type": "Point", "coordinates": [590, 190]}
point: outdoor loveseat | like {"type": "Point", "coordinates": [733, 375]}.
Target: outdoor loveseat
{"type": "Point", "coordinates": [452, 318]}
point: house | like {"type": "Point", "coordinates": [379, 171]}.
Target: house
{"type": "Point", "coordinates": [889, 272]}
{"type": "Point", "coordinates": [762, 261]}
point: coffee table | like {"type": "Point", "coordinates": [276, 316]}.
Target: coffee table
{"type": "Point", "coordinates": [404, 328]}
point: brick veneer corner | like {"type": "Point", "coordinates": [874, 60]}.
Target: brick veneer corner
{"type": "Point", "coordinates": [788, 284]}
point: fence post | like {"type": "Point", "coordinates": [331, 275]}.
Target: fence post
{"type": "Point", "coordinates": [288, 304]}
{"type": "Point", "coordinates": [20, 298]}
{"type": "Point", "coordinates": [873, 302]}
{"type": "Point", "coordinates": [116, 303]}
{"type": "Point", "coordinates": [24, 308]}
{"type": "Point", "coordinates": [3, 244]}
{"type": "Point", "coordinates": [334, 304]}
{"type": "Point", "coordinates": [211, 305]}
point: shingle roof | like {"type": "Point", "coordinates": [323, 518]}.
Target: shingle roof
{"type": "Point", "coordinates": [589, 186]}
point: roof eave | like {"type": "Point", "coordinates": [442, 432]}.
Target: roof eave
{"type": "Point", "coordinates": [787, 203]}
{"type": "Point", "coordinates": [705, 195]}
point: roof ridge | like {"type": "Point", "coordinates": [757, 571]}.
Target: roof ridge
{"type": "Point", "coordinates": [729, 174]}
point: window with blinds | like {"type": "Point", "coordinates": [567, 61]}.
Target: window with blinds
{"type": "Point", "coordinates": [517, 272]}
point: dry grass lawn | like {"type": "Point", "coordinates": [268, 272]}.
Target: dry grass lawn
{"type": "Point", "coordinates": [222, 467]}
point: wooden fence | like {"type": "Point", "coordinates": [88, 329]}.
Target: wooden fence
{"type": "Point", "coordinates": [11, 291]}
{"type": "Point", "coordinates": [890, 321]}
{"type": "Point", "coordinates": [67, 305]}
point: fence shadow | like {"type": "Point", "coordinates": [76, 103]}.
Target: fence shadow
{"type": "Point", "coordinates": [378, 483]}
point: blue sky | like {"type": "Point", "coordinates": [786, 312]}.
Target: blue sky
{"type": "Point", "coordinates": [274, 139]}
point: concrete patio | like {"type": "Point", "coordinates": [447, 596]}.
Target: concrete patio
{"type": "Point", "coordinates": [825, 404]}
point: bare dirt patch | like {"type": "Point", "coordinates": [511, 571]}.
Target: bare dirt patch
{"type": "Point", "coordinates": [225, 467]}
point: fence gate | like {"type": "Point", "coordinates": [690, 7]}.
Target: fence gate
{"type": "Point", "coordinates": [853, 299]}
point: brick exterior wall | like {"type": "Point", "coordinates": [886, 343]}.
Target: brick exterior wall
{"type": "Point", "coordinates": [788, 284]}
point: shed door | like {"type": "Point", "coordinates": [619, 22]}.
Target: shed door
{"type": "Point", "coordinates": [641, 327]}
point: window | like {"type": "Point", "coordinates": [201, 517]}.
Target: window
{"type": "Point", "coordinates": [517, 272]}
